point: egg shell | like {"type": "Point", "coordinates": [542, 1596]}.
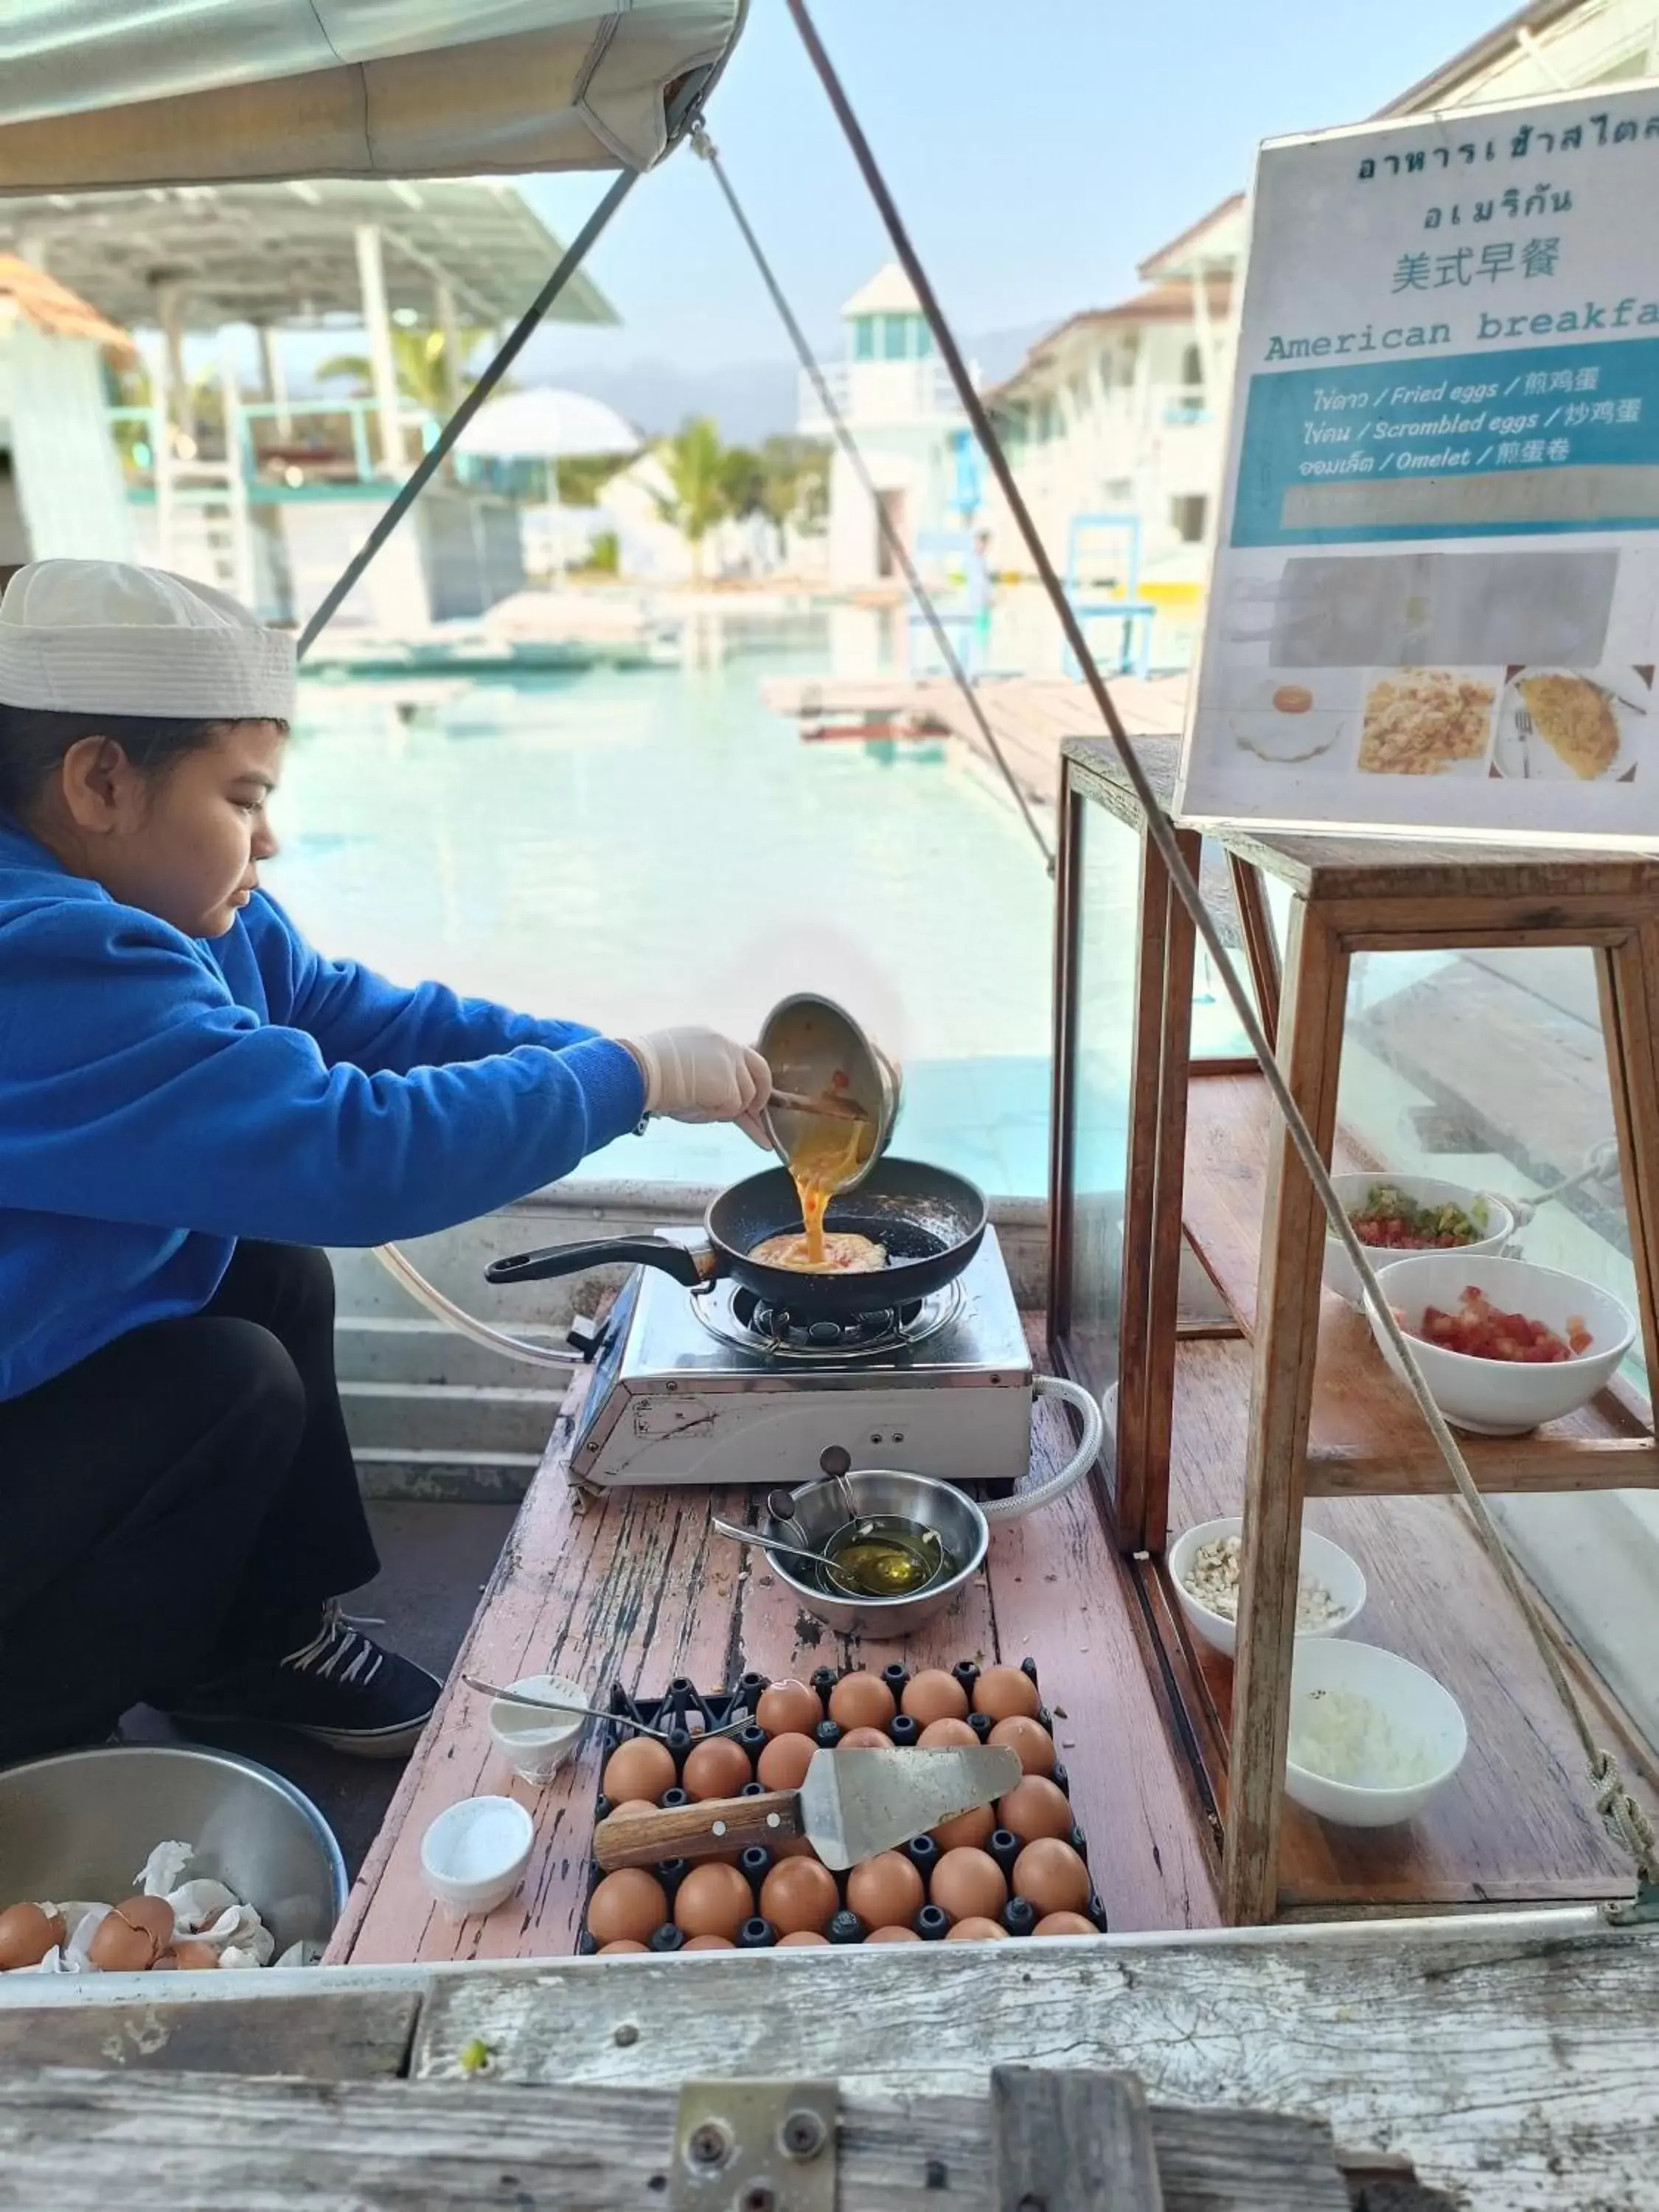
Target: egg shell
{"type": "Point", "coordinates": [27, 1934]}
{"type": "Point", "coordinates": [638, 1768]}
{"type": "Point", "coordinates": [801, 1939]}
{"type": "Point", "coordinates": [1004, 1690]}
{"type": "Point", "coordinates": [1035, 1807]}
{"type": "Point", "coordinates": [789, 1708]}
{"type": "Point", "coordinates": [621, 1943]}
{"type": "Point", "coordinates": [893, 1935]}
{"type": "Point", "coordinates": [1065, 1923]}
{"type": "Point", "coordinates": [967, 1830]}
{"type": "Point", "coordinates": [933, 1695]}
{"type": "Point", "coordinates": [626, 1906]}
{"type": "Point", "coordinates": [865, 1739]}
{"type": "Point", "coordinates": [119, 1949]}
{"type": "Point", "coordinates": [886, 1888]}
{"type": "Point", "coordinates": [783, 1763]}
{"type": "Point", "coordinates": [976, 1928]}
{"type": "Point", "coordinates": [968, 1885]}
{"type": "Point", "coordinates": [714, 1899]}
{"type": "Point", "coordinates": [797, 1895]}
{"type": "Point", "coordinates": [719, 1768]}
{"type": "Point", "coordinates": [1029, 1740]}
{"type": "Point", "coordinates": [708, 1943]}
{"type": "Point", "coordinates": [941, 1736]}
{"type": "Point", "coordinates": [154, 1913]}
{"type": "Point", "coordinates": [861, 1701]}
{"type": "Point", "coordinates": [191, 1957]}
{"type": "Point", "coordinates": [1052, 1876]}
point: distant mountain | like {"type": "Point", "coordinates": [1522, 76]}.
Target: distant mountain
{"type": "Point", "coordinates": [748, 400]}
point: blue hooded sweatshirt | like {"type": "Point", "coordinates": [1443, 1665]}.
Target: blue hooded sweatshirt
{"type": "Point", "coordinates": [161, 1096]}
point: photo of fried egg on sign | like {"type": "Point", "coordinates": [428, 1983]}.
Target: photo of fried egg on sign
{"type": "Point", "coordinates": [1291, 715]}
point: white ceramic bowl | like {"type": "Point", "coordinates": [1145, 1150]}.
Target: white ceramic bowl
{"type": "Point", "coordinates": [536, 1743]}
{"type": "Point", "coordinates": [1422, 1725]}
{"type": "Point", "coordinates": [1501, 1397]}
{"type": "Point", "coordinates": [1323, 1561]}
{"type": "Point", "coordinates": [475, 1853]}
{"type": "Point", "coordinates": [1422, 1190]}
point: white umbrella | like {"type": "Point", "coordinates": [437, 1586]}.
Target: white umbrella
{"type": "Point", "coordinates": [547, 425]}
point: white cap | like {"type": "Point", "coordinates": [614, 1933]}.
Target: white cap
{"type": "Point", "coordinates": [103, 637]}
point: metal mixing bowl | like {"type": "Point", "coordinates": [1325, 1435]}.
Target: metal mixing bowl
{"type": "Point", "coordinates": [81, 1825]}
{"type": "Point", "coordinates": [821, 1508]}
{"type": "Point", "coordinates": [808, 1042]}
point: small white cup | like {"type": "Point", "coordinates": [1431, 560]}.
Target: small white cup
{"type": "Point", "coordinates": [475, 1853]}
{"type": "Point", "coordinates": [535, 1743]}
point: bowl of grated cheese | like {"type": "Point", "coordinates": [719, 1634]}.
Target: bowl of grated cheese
{"type": "Point", "coordinates": [1372, 1738]}
{"type": "Point", "coordinates": [1203, 1565]}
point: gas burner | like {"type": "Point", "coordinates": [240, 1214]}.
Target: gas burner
{"type": "Point", "coordinates": [739, 1317]}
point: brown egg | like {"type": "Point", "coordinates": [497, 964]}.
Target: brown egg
{"type": "Point", "coordinates": [799, 1895]}
{"type": "Point", "coordinates": [638, 1768]}
{"type": "Point", "coordinates": [975, 1930]}
{"type": "Point", "coordinates": [621, 1943]}
{"type": "Point", "coordinates": [191, 1957]}
{"type": "Point", "coordinates": [118, 1947]}
{"type": "Point", "coordinates": [883, 1889]}
{"type": "Point", "coordinates": [789, 1708]}
{"type": "Point", "coordinates": [719, 1768]}
{"type": "Point", "coordinates": [708, 1943]}
{"type": "Point", "coordinates": [1004, 1690]}
{"type": "Point", "coordinates": [633, 1805]}
{"type": "Point", "coordinates": [865, 1739]}
{"type": "Point", "coordinates": [801, 1939]}
{"type": "Point", "coordinates": [894, 1935]}
{"type": "Point", "coordinates": [1035, 1807]}
{"type": "Point", "coordinates": [967, 1832]}
{"type": "Point", "coordinates": [783, 1764]}
{"type": "Point", "coordinates": [154, 1913]}
{"type": "Point", "coordinates": [627, 1907]}
{"type": "Point", "coordinates": [933, 1695]}
{"type": "Point", "coordinates": [861, 1701]}
{"type": "Point", "coordinates": [1065, 1923]}
{"type": "Point", "coordinates": [968, 1885]}
{"type": "Point", "coordinates": [26, 1935]}
{"type": "Point", "coordinates": [165, 1964]}
{"type": "Point", "coordinates": [714, 1899]}
{"type": "Point", "coordinates": [1030, 1739]}
{"type": "Point", "coordinates": [942, 1735]}
{"type": "Point", "coordinates": [1052, 1876]}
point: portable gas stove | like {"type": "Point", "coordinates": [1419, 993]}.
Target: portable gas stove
{"type": "Point", "coordinates": [712, 1387]}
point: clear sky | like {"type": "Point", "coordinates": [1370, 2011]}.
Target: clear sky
{"type": "Point", "coordinates": [1038, 148]}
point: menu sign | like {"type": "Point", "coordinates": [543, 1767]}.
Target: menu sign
{"type": "Point", "coordinates": [1435, 598]}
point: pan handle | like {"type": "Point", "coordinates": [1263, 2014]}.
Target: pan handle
{"type": "Point", "coordinates": [691, 1265]}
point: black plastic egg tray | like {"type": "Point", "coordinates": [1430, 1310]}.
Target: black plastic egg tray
{"type": "Point", "coordinates": [688, 1712]}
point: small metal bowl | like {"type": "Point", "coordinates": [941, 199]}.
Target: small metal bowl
{"type": "Point", "coordinates": [811, 1045]}
{"type": "Point", "coordinates": [821, 1510]}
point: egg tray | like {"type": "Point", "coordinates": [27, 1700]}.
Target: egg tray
{"type": "Point", "coordinates": [689, 1714]}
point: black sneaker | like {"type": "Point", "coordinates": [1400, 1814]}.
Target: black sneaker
{"type": "Point", "coordinates": [340, 1689]}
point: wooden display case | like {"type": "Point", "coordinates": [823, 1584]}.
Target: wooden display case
{"type": "Point", "coordinates": [1291, 1401]}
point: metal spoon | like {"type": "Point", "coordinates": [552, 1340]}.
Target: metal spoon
{"type": "Point", "coordinates": [754, 1537]}
{"type": "Point", "coordinates": [823, 1102]}
{"type": "Point", "coordinates": [590, 1712]}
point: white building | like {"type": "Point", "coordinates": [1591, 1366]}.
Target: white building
{"type": "Point", "coordinates": [896, 397]}
{"type": "Point", "coordinates": [61, 492]}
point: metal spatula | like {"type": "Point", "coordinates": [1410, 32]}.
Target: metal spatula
{"type": "Point", "coordinates": [852, 1805]}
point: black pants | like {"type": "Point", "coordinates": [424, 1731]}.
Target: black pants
{"type": "Point", "coordinates": [176, 1505]}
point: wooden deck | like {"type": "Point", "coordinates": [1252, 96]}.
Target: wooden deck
{"type": "Point", "coordinates": [634, 1587]}
{"type": "Point", "coordinates": [1029, 716]}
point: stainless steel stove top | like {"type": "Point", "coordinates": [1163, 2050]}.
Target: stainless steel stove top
{"type": "Point", "coordinates": [708, 1387]}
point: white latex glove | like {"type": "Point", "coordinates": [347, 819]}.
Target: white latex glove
{"type": "Point", "coordinates": [697, 1075]}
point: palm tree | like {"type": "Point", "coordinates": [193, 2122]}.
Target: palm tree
{"type": "Point", "coordinates": [695, 463]}
{"type": "Point", "coordinates": [423, 371]}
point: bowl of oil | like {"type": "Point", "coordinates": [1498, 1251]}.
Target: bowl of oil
{"type": "Point", "coordinates": [905, 1548]}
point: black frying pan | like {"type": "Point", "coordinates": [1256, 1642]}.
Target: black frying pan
{"type": "Point", "coordinates": [932, 1224]}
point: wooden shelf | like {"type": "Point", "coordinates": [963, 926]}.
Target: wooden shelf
{"type": "Point", "coordinates": [1367, 1437]}
{"type": "Point", "coordinates": [1515, 1823]}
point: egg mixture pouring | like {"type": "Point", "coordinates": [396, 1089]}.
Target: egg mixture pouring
{"type": "Point", "coordinates": [825, 1159]}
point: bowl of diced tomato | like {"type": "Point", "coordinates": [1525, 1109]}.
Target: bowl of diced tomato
{"type": "Point", "coordinates": [1503, 1344]}
{"type": "Point", "coordinates": [1392, 1214]}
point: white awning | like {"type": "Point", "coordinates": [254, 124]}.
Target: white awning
{"type": "Point", "coordinates": [100, 93]}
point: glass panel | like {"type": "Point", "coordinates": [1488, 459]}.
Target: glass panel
{"type": "Point", "coordinates": [864, 337]}
{"type": "Point", "coordinates": [1217, 1033]}
{"type": "Point", "coordinates": [1108, 880]}
{"type": "Point", "coordinates": [1486, 1068]}
{"type": "Point", "coordinates": [895, 336]}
